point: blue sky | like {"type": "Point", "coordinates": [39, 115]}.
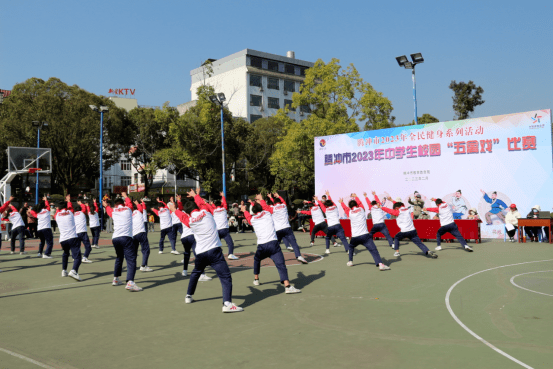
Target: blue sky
{"type": "Point", "coordinates": [151, 46]}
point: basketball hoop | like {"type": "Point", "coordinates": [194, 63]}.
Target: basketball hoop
{"type": "Point", "coordinates": [34, 170]}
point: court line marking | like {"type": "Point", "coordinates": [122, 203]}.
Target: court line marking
{"type": "Point", "coordinates": [26, 359]}
{"type": "Point", "coordinates": [516, 285]}
{"type": "Point", "coordinates": [468, 329]}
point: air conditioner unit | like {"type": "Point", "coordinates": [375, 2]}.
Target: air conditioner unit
{"type": "Point", "coordinates": [285, 92]}
{"type": "Point", "coordinates": [301, 112]}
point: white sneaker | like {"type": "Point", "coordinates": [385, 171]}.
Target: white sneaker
{"type": "Point", "coordinates": [188, 299]}
{"type": "Point", "coordinates": [131, 286]}
{"type": "Point", "coordinates": [396, 254]}
{"type": "Point", "coordinates": [256, 282]}
{"type": "Point", "coordinates": [302, 259]}
{"type": "Point", "coordinates": [432, 254]}
{"type": "Point", "coordinates": [116, 282]}
{"type": "Point", "coordinates": [46, 256]}
{"type": "Point", "coordinates": [64, 273]}
{"type": "Point", "coordinates": [185, 273]}
{"type": "Point", "coordinates": [23, 253]}
{"type": "Point", "coordinates": [175, 252]}
{"type": "Point", "coordinates": [438, 248]}
{"type": "Point", "coordinates": [290, 248]}
{"type": "Point", "coordinates": [182, 261]}
{"type": "Point", "coordinates": [468, 248]}
{"type": "Point", "coordinates": [383, 267]}
{"type": "Point", "coordinates": [350, 263]}
{"type": "Point", "coordinates": [232, 309]}
{"type": "Point", "coordinates": [292, 289]}
{"type": "Point", "coordinates": [73, 274]}
{"type": "Point", "coordinates": [146, 269]}
{"type": "Point", "coordinates": [327, 251]}
{"type": "Point", "coordinates": [161, 252]}
{"type": "Point", "coordinates": [85, 260]}
{"type": "Point", "coordinates": [38, 255]}
{"type": "Point", "coordinates": [204, 278]}
{"type": "Point", "coordinates": [12, 252]}
{"type": "Point", "coordinates": [335, 244]}
{"type": "Point", "coordinates": [232, 257]}
{"type": "Point", "coordinates": [312, 244]}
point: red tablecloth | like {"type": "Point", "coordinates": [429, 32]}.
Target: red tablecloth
{"type": "Point", "coordinates": [426, 229]}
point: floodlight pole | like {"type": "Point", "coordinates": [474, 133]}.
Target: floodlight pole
{"type": "Point", "coordinates": [223, 150]}
{"type": "Point", "coordinates": [38, 153]}
{"type": "Point", "coordinates": [101, 168]}
{"type": "Point", "coordinates": [415, 94]}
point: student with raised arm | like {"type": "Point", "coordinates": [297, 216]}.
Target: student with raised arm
{"type": "Point", "coordinates": [359, 232]}
{"type": "Point", "coordinates": [80, 212]}
{"type": "Point", "coordinates": [6, 208]}
{"type": "Point", "coordinates": [284, 232]}
{"type": "Point", "coordinates": [68, 239]}
{"type": "Point", "coordinates": [165, 226]}
{"type": "Point", "coordinates": [94, 223]}
{"type": "Point", "coordinates": [407, 228]}
{"type": "Point", "coordinates": [220, 215]}
{"type": "Point", "coordinates": [18, 227]}
{"type": "Point", "coordinates": [139, 235]}
{"type": "Point", "coordinates": [447, 224]}
{"type": "Point", "coordinates": [378, 217]}
{"type": "Point", "coordinates": [123, 243]}
{"type": "Point", "coordinates": [199, 218]}
{"type": "Point", "coordinates": [267, 244]}
{"type": "Point", "coordinates": [176, 224]}
{"type": "Point", "coordinates": [318, 219]}
{"type": "Point", "coordinates": [333, 219]}
{"type": "Point", "coordinates": [144, 215]}
{"type": "Point", "coordinates": [44, 228]}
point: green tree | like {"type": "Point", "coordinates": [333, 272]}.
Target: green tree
{"type": "Point", "coordinates": [195, 139]}
{"type": "Point", "coordinates": [74, 129]}
{"type": "Point", "coordinates": [466, 96]}
{"type": "Point", "coordinates": [148, 127]}
{"type": "Point", "coordinates": [425, 119]}
{"type": "Point", "coordinates": [340, 96]}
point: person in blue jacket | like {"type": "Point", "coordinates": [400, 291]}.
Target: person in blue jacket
{"type": "Point", "coordinates": [496, 209]}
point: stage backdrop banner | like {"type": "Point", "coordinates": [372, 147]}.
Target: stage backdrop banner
{"type": "Point", "coordinates": [462, 162]}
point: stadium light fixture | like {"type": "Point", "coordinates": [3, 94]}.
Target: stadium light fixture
{"type": "Point", "coordinates": [404, 62]}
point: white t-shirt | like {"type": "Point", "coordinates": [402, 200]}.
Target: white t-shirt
{"type": "Point", "coordinates": [137, 223]}
{"type": "Point", "coordinates": [66, 224]}
{"type": "Point", "coordinates": [122, 221]}
{"type": "Point", "coordinates": [205, 232]}
{"type": "Point", "coordinates": [174, 219]}
{"type": "Point", "coordinates": [16, 220]}
{"type": "Point", "coordinates": [93, 220]}
{"type": "Point", "coordinates": [378, 215]}
{"type": "Point", "coordinates": [164, 218]}
{"type": "Point", "coordinates": [44, 221]}
{"type": "Point", "coordinates": [404, 221]}
{"type": "Point", "coordinates": [144, 214]}
{"type": "Point", "coordinates": [221, 218]}
{"type": "Point", "coordinates": [317, 214]}
{"type": "Point", "coordinates": [280, 217]}
{"type": "Point", "coordinates": [264, 227]}
{"type": "Point", "coordinates": [332, 215]}
{"type": "Point", "coordinates": [80, 222]}
{"type": "Point", "coordinates": [186, 231]}
{"type": "Point", "coordinates": [446, 214]}
{"type": "Point", "coordinates": [358, 221]}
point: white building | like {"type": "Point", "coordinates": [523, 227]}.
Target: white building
{"type": "Point", "coordinates": [255, 84]}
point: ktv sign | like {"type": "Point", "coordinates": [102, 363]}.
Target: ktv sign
{"type": "Point", "coordinates": [121, 91]}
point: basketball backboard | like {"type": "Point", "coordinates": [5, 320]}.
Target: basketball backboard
{"type": "Point", "coordinates": [21, 159]}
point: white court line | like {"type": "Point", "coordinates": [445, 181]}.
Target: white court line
{"type": "Point", "coordinates": [26, 359]}
{"type": "Point", "coordinates": [467, 328]}
{"type": "Point", "coordinates": [516, 285]}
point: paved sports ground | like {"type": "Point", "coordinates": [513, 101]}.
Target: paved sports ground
{"type": "Point", "coordinates": [345, 316]}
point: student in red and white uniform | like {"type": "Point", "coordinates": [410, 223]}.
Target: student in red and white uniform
{"type": "Point", "coordinates": [284, 232]}
{"type": "Point", "coordinates": [199, 218]}
{"type": "Point", "coordinates": [318, 219]}
{"type": "Point", "coordinates": [94, 222]}
{"type": "Point", "coordinates": [18, 227]}
{"type": "Point", "coordinates": [3, 208]}
{"type": "Point", "coordinates": [176, 223]}
{"type": "Point", "coordinates": [139, 235]}
{"type": "Point", "coordinates": [447, 223]}
{"type": "Point", "coordinates": [220, 214]}
{"type": "Point", "coordinates": [80, 212]}
{"type": "Point", "coordinates": [267, 244]}
{"type": "Point", "coordinates": [333, 222]}
{"type": "Point", "coordinates": [68, 239]}
{"type": "Point", "coordinates": [144, 215]}
{"type": "Point", "coordinates": [165, 226]}
{"type": "Point", "coordinates": [188, 243]}
{"type": "Point", "coordinates": [123, 243]}
{"type": "Point", "coordinates": [378, 216]}
{"type": "Point", "coordinates": [407, 228]}
{"type": "Point", "coordinates": [359, 232]}
{"type": "Point", "coordinates": [44, 228]}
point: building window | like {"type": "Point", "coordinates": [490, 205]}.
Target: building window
{"type": "Point", "coordinates": [125, 165]}
{"type": "Point", "coordinates": [273, 65]}
{"type": "Point", "coordinates": [305, 109]}
{"type": "Point", "coordinates": [290, 69]}
{"type": "Point", "coordinates": [253, 117]}
{"type": "Point", "coordinates": [125, 181]}
{"type": "Point", "coordinates": [135, 178]}
{"type": "Point", "coordinates": [302, 71]}
{"type": "Point", "coordinates": [256, 62]}
{"type": "Point", "coordinates": [255, 100]}
{"type": "Point", "coordinates": [273, 103]}
{"type": "Point", "coordinates": [288, 103]}
{"type": "Point", "coordinates": [289, 86]}
{"type": "Point", "coordinates": [272, 83]}
{"type": "Point", "coordinates": [181, 177]}
{"type": "Point", "coordinates": [256, 80]}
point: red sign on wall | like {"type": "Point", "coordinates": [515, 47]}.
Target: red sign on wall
{"type": "Point", "coordinates": [121, 91]}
